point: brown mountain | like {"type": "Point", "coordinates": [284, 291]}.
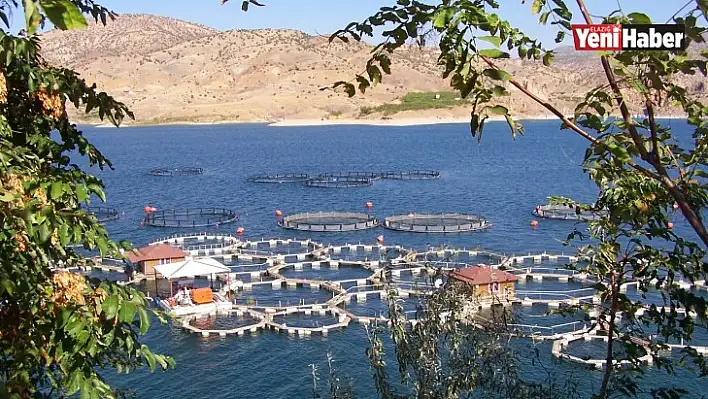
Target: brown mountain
{"type": "Point", "coordinates": [168, 70]}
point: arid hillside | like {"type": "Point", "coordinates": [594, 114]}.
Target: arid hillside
{"type": "Point", "coordinates": [170, 71]}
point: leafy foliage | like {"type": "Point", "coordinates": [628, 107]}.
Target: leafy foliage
{"type": "Point", "coordinates": [58, 331]}
{"type": "Point", "coordinates": [643, 172]}
{"type": "Point", "coordinates": [446, 353]}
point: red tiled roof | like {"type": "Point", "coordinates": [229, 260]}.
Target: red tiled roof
{"type": "Point", "coordinates": [154, 252]}
{"type": "Point", "coordinates": [481, 275]}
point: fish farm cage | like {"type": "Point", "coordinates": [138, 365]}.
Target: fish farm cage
{"type": "Point", "coordinates": [190, 218]}
{"type": "Point", "coordinates": [187, 171]}
{"type": "Point", "coordinates": [339, 182]}
{"type": "Point", "coordinates": [279, 178]}
{"type": "Point", "coordinates": [563, 212]}
{"type": "Point", "coordinates": [347, 175]}
{"type": "Point", "coordinates": [103, 213]}
{"type": "Point", "coordinates": [411, 175]}
{"type": "Point", "coordinates": [329, 221]}
{"type": "Point", "coordinates": [436, 223]}
{"type": "Point", "coordinates": [343, 179]}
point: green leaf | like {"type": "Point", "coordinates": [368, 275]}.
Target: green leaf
{"type": "Point", "coordinates": [144, 320]}
{"type": "Point", "coordinates": [6, 196]}
{"type": "Point", "coordinates": [536, 6]}
{"type": "Point", "coordinates": [148, 356]}
{"type": "Point", "coordinates": [493, 53]}
{"type": "Point", "coordinates": [127, 312]}
{"type": "Point", "coordinates": [64, 14]}
{"type": "Point", "coordinates": [639, 18]}
{"type": "Point", "coordinates": [44, 232]}
{"type": "Point", "coordinates": [32, 16]}
{"type": "Point", "coordinates": [56, 190]}
{"type": "Point", "coordinates": [491, 39]}
{"type": "Point", "coordinates": [498, 110]}
{"type": "Point", "coordinates": [547, 58]}
{"type": "Point", "coordinates": [442, 17]}
{"type": "Point", "coordinates": [110, 306]}
{"type": "Point", "coordinates": [511, 124]}
{"type": "Point", "coordinates": [497, 74]}
{"type": "Point", "coordinates": [81, 192]}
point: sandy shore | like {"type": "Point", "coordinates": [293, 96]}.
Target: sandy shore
{"type": "Point", "coordinates": [334, 122]}
{"type": "Point", "coordinates": [390, 122]}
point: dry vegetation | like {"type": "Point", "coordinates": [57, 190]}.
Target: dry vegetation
{"type": "Point", "coordinates": [168, 70]}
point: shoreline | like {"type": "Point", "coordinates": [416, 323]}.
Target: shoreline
{"type": "Point", "coordinates": [402, 122]}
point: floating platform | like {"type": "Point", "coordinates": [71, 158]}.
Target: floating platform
{"type": "Point", "coordinates": [563, 212]}
{"type": "Point", "coordinates": [329, 221]}
{"type": "Point", "coordinates": [182, 171]}
{"type": "Point", "coordinates": [190, 217]}
{"type": "Point", "coordinates": [436, 223]}
{"type": "Point", "coordinates": [279, 178]}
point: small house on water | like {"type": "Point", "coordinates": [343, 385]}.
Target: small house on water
{"type": "Point", "coordinates": [159, 254]}
{"type": "Point", "coordinates": [486, 284]}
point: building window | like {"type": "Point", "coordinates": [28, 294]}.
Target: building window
{"type": "Point", "coordinates": [165, 261]}
{"type": "Point", "coordinates": [494, 287]}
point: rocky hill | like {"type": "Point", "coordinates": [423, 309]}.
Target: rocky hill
{"type": "Point", "coordinates": [168, 70]}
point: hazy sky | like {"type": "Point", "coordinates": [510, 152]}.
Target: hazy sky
{"type": "Point", "coordinates": [326, 16]}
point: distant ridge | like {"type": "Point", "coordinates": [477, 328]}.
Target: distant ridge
{"type": "Point", "coordinates": [169, 70]}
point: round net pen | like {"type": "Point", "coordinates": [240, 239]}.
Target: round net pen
{"type": "Point", "coordinates": [436, 223]}
{"type": "Point", "coordinates": [346, 175]}
{"type": "Point", "coordinates": [279, 178]}
{"type": "Point", "coordinates": [167, 172]}
{"type": "Point", "coordinates": [329, 221]}
{"type": "Point", "coordinates": [411, 175]}
{"type": "Point", "coordinates": [563, 212]}
{"type": "Point", "coordinates": [103, 213]}
{"type": "Point", "coordinates": [190, 218]}
{"type": "Point", "coordinates": [339, 182]}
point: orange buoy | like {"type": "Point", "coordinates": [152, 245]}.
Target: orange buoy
{"type": "Point", "coordinates": [240, 230]}
{"type": "Point", "coordinates": [147, 209]}
{"type": "Point", "coordinates": [380, 239]}
{"type": "Point", "coordinates": [534, 224]}
{"type": "Point", "coordinates": [676, 206]}
{"type": "Point", "coordinates": [278, 212]}
{"type": "Point", "coordinates": [670, 225]}
{"type": "Point", "coordinates": [369, 204]}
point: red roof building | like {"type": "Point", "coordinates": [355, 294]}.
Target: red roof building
{"type": "Point", "coordinates": [486, 282]}
{"type": "Point", "coordinates": [159, 254]}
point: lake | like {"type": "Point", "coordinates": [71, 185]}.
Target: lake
{"type": "Point", "coordinates": [499, 178]}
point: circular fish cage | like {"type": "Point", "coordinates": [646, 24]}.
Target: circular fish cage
{"type": "Point", "coordinates": [339, 182]}
{"type": "Point", "coordinates": [167, 172]}
{"type": "Point", "coordinates": [563, 212]}
{"type": "Point", "coordinates": [190, 218]}
{"type": "Point", "coordinates": [103, 213]}
{"type": "Point", "coordinates": [411, 175]}
{"type": "Point", "coordinates": [346, 175]}
{"type": "Point", "coordinates": [329, 221]}
{"type": "Point", "coordinates": [279, 178]}
{"type": "Point", "coordinates": [436, 223]}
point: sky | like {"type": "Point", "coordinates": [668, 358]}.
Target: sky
{"type": "Point", "coordinates": [326, 16]}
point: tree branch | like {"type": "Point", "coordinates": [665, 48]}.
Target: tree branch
{"type": "Point", "coordinates": [546, 105]}
{"type": "Point", "coordinates": [638, 140]}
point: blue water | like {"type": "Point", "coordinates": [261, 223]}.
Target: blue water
{"type": "Point", "coordinates": [500, 179]}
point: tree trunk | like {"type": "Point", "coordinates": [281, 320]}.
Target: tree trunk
{"type": "Point", "coordinates": [614, 286]}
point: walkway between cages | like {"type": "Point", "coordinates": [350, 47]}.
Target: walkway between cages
{"type": "Point", "coordinates": [318, 256]}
